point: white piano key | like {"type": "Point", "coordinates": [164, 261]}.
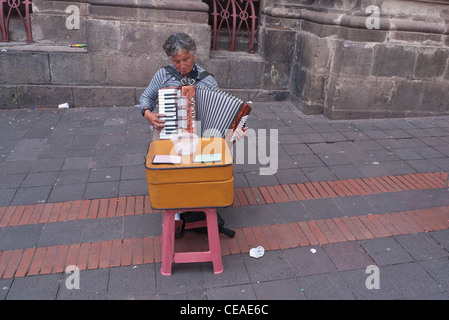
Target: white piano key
{"type": "Point", "coordinates": [168, 91]}
{"type": "Point", "coordinates": [168, 107]}
{"type": "Point", "coordinates": [166, 99]}
{"type": "Point", "coordinates": [164, 110]}
{"type": "Point", "coordinates": [168, 129]}
{"type": "Point", "coordinates": [170, 123]}
{"type": "Point", "coordinates": [164, 136]}
{"type": "Point", "coordinates": [168, 94]}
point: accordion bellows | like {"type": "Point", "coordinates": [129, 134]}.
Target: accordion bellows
{"type": "Point", "coordinates": [189, 184]}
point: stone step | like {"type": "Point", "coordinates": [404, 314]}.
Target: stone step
{"type": "Point", "coordinates": [223, 42]}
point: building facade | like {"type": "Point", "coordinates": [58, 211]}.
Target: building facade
{"type": "Point", "coordinates": [343, 58]}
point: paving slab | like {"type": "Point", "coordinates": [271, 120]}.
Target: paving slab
{"type": "Point", "coordinates": [386, 251]}
{"type": "Point", "coordinates": [44, 287]}
{"type": "Point", "coordinates": [325, 286]}
{"type": "Point", "coordinates": [421, 246]}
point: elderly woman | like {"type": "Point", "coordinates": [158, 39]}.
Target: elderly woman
{"type": "Point", "coordinates": [183, 70]}
{"type": "Point", "coordinates": [181, 49]}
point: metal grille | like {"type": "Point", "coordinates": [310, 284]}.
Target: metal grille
{"type": "Point", "coordinates": [20, 8]}
{"type": "Point", "coordinates": [232, 17]}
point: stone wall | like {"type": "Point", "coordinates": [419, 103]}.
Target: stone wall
{"type": "Point", "coordinates": [345, 69]}
{"type": "Point", "coordinates": [326, 56]}
{"type": "Point", "coordinates": [124, 49]}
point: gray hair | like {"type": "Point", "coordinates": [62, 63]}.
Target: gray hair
{"type": "Point", "coordinates": [179, 42]}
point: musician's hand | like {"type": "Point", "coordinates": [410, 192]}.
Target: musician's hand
{"type": "Point", "coordinates": [153, 119]}
{"type": "Point", "coordinates": [240, 133]}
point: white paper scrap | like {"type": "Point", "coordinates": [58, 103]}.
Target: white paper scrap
{"type": "Point", "coordinates": [257, 252]}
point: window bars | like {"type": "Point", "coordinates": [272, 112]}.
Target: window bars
{"type": "Point", "coordinates": [17, 8]}
{"type": "Point", "coordinates": [233, 16]}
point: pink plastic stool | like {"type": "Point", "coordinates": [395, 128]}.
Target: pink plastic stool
{"type": "Point", "coordinates": [168, 242]}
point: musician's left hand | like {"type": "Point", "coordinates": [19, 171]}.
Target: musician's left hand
{"type": "Point", "coordinates": [240, 133]}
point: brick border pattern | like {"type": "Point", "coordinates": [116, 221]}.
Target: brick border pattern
{"type": "Point", "coordinates": [339, 188]}
{"type": "Point", "coordinates": [126, 252]}
{"type": "Point", "coordinates": [136, 251]}
{"type": "Point", "coordinates": [131, 205]}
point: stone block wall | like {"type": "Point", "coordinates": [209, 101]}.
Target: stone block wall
{"type": "Point", "coordinates": [124, 49]}
{"type": "Point", "coordinates": [344, 69]}
{"type": "Point", "coordinates": [50, 19]}
{"type": "Point", "coordinates": [320, 54]}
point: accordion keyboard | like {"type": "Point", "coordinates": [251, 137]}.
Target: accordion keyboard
{"type": "Point", "coordinates": [168, 107]}
{"type": "Point", "coordinates": [178, 107]}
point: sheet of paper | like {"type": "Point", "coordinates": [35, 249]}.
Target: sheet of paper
{"type": "Point", "coordinates": [166, 159]}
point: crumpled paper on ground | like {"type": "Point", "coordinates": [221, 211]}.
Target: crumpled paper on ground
{"type": "Point", "coordinates": [257, 252]}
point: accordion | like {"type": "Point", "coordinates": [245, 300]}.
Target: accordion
{"type": "Point", "coordinates": [206, 111]}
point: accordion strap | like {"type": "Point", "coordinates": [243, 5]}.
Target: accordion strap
{"type": "Point", "coordinates": [184, 80]}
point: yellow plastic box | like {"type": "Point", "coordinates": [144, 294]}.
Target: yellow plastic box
{"type": "Point", "coordinates": [190, 184]}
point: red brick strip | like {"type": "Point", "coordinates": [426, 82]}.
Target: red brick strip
{"type": "Point", "coordinates": [127, 252]}
{"type": "Point", "coordinates": [121, 206]}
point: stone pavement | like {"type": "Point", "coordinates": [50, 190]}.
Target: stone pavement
{"type": "Point", "coordinates": [346, 196]}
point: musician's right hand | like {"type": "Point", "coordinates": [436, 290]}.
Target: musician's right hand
{"type": "Point", "coordinates": [153, 119]}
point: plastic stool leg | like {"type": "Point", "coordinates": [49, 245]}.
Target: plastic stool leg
{"type": "Point", "coordinates": [214, 240]}
{"type": "Point", "coordinates": [168, 241]}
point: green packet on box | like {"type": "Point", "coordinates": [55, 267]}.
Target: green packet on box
{"type": "Point", "coordinates": [215, 157]}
